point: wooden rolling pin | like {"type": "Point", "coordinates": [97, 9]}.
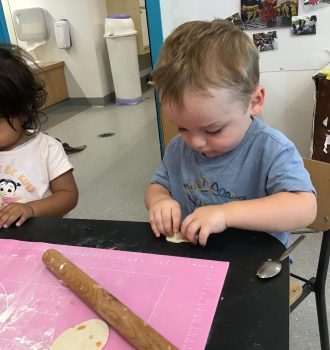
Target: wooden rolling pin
{"type": "Point", "coordinates": [119, 316]}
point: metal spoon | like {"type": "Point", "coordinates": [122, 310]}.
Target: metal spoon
{"type": "Point", "coordinates": [271, 268]}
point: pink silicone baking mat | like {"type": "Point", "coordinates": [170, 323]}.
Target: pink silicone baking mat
{"type": "Point", "coordinates": [177, 296]}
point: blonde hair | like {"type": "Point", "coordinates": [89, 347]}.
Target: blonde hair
{"type": "Point", "coordinates": [201, 55]}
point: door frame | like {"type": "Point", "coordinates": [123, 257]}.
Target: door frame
{"type": "Point", "coordinates": [156, 41]}
{"type": "Point", "coordinates": [4, 35]}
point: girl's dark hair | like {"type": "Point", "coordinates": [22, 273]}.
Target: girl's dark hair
{"type": "Point", "coordinates": [21, 94]}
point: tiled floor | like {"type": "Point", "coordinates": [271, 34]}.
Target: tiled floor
{"type": "Point", "coordinates": [113, 172]}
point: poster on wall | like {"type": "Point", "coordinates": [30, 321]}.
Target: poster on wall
{"type": "Point", "coordinates": [311, 5]}
{"type": "Point", "coordinates": [268, 13]}
{"type": "Point", "coordinates": [266, 41]}
{"type": "Point", "coordinates": [304, 25]}
{"type": "Point", "coordinates": [237, 20]}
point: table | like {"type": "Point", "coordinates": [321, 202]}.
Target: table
{"type": "Point", "coordinates": [254, 313]}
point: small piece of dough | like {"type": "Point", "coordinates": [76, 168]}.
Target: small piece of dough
{"type": "Point", "coordinates": [89, 335]}
{"type": "Point", "coordinates": [176, 238]}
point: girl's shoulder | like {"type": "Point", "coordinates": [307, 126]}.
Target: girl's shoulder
{"type": "Point", "coordinates": [38, 140]}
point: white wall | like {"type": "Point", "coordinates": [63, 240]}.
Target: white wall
{"type": "Point", "coordinates": [87, 66]}
{"type": "Point", "coordinates": [286, 73]}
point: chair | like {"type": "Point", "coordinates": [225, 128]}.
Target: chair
{"type": "Point", "coordinates": [320, 175]}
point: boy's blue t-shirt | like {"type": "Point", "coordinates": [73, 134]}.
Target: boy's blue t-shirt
{"type": "Point", "coordinates": [264, 163]}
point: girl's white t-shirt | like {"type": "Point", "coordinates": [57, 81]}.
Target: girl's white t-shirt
{"type": "Point", "coordinates": [26, 171]}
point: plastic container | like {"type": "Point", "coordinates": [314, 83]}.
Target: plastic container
{"type": "Point", "coordinates": [120, 35]}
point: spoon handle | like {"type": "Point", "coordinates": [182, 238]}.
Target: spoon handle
{"type": "Point", "coordinates": [292, 246]}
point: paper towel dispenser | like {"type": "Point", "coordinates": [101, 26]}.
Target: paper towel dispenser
{"type": "Point", "coordinates": [30, 24]}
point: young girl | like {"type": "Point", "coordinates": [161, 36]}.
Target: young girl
{"type": "Point", "coordinates": [35, 174]}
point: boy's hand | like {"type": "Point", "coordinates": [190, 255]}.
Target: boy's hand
{"type": "Point", "coordinates": [202, 222]}
{"type": "Point", "coordinates": [18, 212]}
{"type": "Point", "coordinates": [165, 217]}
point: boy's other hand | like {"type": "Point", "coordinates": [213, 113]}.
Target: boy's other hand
{"type": "Point", "coordinates": [202, 222]}
{"type": "Point", "coordinates": [165, 217]}
{"type": "Point", "coordinates": [15, 212]}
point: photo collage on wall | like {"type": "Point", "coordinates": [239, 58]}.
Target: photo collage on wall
{"type": "Point", "coordinates": [259, 14]}
{"type": "Point", "coordinates": [311, 5]}
{"type": "Point", "coordinates": [237, 20]}
{"type": "Point", "coordinates": [304, 25]}
{"type": "Point", "coordinates": [265, 41]}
